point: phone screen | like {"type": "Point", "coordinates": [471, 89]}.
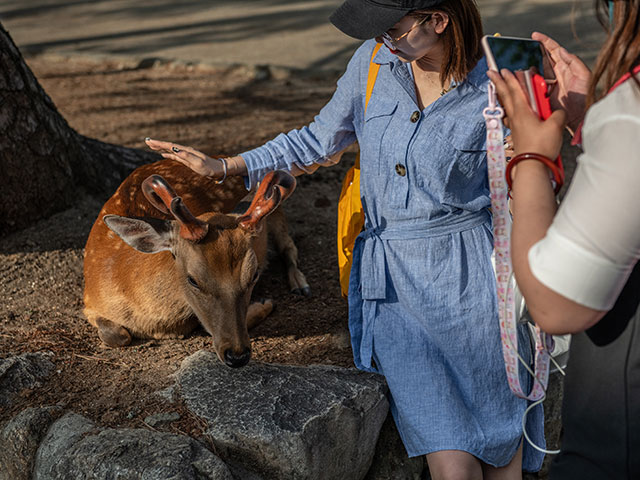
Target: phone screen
{"type": "Point", "coordinates": [520, 54]}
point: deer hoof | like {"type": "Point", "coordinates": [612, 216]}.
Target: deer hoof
{"type": "Point", "coordinates": [305, 291]}
{"type": "Point", "coordinates": [267, 305]}
{"type": "Point", "coordinates": [112, 334]}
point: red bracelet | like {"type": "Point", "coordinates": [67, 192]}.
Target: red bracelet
{"type": "Point", "coordinates": [556, 170]}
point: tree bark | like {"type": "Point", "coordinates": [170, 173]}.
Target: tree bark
{"type": "Point", "coordinates": [43, 161]}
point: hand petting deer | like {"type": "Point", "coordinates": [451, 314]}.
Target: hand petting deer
{"type": "Point", "coordinates": [153, 268]}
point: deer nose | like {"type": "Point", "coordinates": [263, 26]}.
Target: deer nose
{"type": "Point", "coordinates": [234, 361]}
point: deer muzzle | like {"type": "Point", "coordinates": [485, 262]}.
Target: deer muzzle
{"type": "Point", "coordinates": [233, 360]}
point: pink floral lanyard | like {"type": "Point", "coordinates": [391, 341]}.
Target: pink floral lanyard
{"type": "Point", "coordinates": [504, 271]}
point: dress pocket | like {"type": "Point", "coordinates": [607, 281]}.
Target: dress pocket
{"type": "Point", "coordinates": [466, 184]}
{"type": "Point", "coordinates": [377, 120]}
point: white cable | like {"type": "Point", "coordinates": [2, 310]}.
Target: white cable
{"type": "Point", "coordinates": [560, 369]}
{"type": "Point", "coordinates": [524, 430]}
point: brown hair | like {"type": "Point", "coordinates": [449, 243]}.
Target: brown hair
{"type": "Point", "coordinates": [621, 51]}
{"type": "Point", "coordinates": [461, 37]}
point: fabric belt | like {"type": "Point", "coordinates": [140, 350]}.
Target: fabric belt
{"type": "Point", "coordinates": [370, 246]}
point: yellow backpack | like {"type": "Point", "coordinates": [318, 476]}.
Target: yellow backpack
{"type": "Point", "coordinates": [350, 213]}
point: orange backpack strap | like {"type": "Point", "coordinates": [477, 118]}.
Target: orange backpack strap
{"type": "Point", "coordinates": [371, 77]}
{"type": "Point", "coordinates": [371, 81]}
{"type": "Point", "coordinates": [350, 213]}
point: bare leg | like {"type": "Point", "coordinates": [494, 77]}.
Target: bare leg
{"type": "Point", "coordinates": [277, 224]}
{"type": "Point", "coordinates": [257, 312]}
{"type": "Point", "coordinates": [513, 471]}
{"type": "Point", "coordinates": [454, 465]}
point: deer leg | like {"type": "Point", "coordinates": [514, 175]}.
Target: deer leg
{"type": "Point", "coordinates": [257, 312]}
{"type": "Point", "coordinates": [277, 224]}
{"type": "Point", "coordinates": [111, 333]}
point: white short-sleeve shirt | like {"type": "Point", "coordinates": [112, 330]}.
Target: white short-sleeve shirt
{"type": "Point", "coordinates": [593, 243]}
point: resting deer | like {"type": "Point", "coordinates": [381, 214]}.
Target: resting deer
{"type": "Point", "coordinates": [153, 268]}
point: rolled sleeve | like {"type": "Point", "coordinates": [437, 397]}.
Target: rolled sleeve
{"type": "Point", "coordinates": [576, 273]}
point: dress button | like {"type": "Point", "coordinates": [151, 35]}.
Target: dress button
{"type": "Point", "coordinates": [415, 116]}
{"type": "Point", "coordinates": [401, 170]}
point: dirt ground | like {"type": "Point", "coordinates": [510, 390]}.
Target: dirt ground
{"type": "Point", "coordinates": [220, 111]}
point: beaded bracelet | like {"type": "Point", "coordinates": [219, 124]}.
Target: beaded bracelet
{"type": "Point", "coordinates": [556, 170]}
{"type": "Point", "coordinates": [224, 169]}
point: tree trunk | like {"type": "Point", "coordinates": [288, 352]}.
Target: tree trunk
{"type": "Point", "coordinates": [43, 161]}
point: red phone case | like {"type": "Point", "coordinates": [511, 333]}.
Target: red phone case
{"type": "Point", "coordinates": [540, 93]}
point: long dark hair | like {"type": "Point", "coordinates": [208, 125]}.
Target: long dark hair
{"type": "Point", "coordinates": [461, 38]}
{"type": "Point", "coordinates": [621, 51]}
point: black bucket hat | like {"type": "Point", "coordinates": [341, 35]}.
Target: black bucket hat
{"type": "Point", "coordinates": [365, 19]}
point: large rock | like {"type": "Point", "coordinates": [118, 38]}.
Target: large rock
{"type": "Point", "coordinates": [20, 439]}
{"type": "Point", "coordinates": [22, 372]}
{"type": "Point", "coordinates": [59, 440]}
{"type": "Point", "coordinates": [553, 411]}
{"type": "Point", "coordinates": [287, 422]}
{"type": "Point", "coordinates": [391, 461]}
{"type": "Point", "coordinates": [552, 419]}
{"type": "Point", "coordinates": [74, 449]}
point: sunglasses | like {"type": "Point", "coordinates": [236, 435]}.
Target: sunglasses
{"type": "Point", "coordinates": [392, 43]}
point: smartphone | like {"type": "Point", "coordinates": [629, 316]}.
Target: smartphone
{"type": "Point", "coordinates": [532, 66]}
{"type": "Point", "coordinates": [529, 61]}
{"type": "Point", "coordinates": [515, 54]}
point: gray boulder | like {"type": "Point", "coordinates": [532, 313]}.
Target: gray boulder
{"type": "Point", "coordinates": [22, 372]}
{"type": "Point", "coordinates": [391, 461]}
{"type": "Point", "coordinates": [287, 422]}
{"type": "Point", "coordinates": [20, 439]}
{"type": "Point", "coordinates": [161, 418]}
{"type": "Point", "coordinates": [58, 441]}
{"type": "Point", "coordinates": [552, 419]}
{"type": "Point", "coordinates": [74, 449]}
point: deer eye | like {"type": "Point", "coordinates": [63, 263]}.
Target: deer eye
{"type": "Point", "coordinates": [192, 282]}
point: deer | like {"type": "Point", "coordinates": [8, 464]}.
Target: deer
{"type": "Point", "coordinates": [155, 268]}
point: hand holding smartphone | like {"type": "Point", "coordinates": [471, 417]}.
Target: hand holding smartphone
{"type": "Point", "coordinates": [531, 64]}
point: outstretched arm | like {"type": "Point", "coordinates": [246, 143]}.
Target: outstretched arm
{"type": "Point", "coordinates": [198, 161]}
{"type": "Point", "coordinates": [303, 150]}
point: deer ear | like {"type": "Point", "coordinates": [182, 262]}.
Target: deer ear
{"type": "Point", "coordinates": [140, 234]}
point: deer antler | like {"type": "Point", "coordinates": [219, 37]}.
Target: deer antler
{"type": "Point", "coordinates": [274, 188]}
{"type": "Point", "coordinates": [162, 196]}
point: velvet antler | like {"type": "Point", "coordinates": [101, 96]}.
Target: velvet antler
{"type": "Point", "coordinates": [162, 196]}
{"type": "Point", "coordinates": [274, 188]}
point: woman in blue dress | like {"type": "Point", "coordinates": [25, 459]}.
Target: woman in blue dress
{"type": "Point", "coordinates": [422, 299]}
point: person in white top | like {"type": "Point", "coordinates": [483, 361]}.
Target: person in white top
{"type": "Point", "coordinates": [576, 264]}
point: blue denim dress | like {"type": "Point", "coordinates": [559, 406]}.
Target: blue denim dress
{"type": "Point", "coordinates": [422, 299]}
